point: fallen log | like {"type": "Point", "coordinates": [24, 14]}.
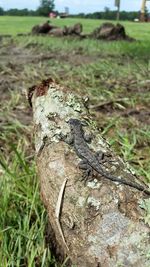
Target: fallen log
{"type": "Point", "coordinates": [75, 29]}
{"type": "Point", "coordinates": [45, 28]}
{"type": "Point", "coordinates": [95, 222]}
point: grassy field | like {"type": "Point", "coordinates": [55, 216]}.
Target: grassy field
{"type": "Point", "coordinates": [14, 25]}
{"type": "Point", "coordinates": [116, 76]}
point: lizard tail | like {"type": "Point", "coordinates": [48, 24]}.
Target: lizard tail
{"type": "Point", "coordinates": [123, 181]}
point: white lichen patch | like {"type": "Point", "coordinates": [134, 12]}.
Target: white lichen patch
{"type": "Point", "coordinates": [95, 184]}
{"type": "Point", "coordinates": [114, 225]}
{"type": "Point", "coordinates": [53, 165]}
{"type": "Point", "coordinates": [128, 168]}
{"type": "Point", "coordinates": [116, 163]}
{"type": "Point", "coordinates": [92, 238]}
{"type": "Point", "coordinates": [99, 144]}
{"type": "Point", "coordinates": [95, 146]}
{"type": "Point", "coordinates": [81, 201]}
{"type": "Point", "coordinates": [140, 242]}
{"type": "Point", "coordinates": [102, 142]}
{"type": "Point", "coordinates": [72, 102]}
{"type": "Point", "coordinates": [116, 200]}
{"type": "Point", "coordinates": [113, 168]}
{"type": "Point", "coordinates": [91, 201]}
{"type": "Point", "coordinates": [46, 110]}
{"type": "Point", "coordinates": [110, 231]}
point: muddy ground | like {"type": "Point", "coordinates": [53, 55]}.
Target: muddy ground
{"type": "Point", "coordinates": [23, 66]}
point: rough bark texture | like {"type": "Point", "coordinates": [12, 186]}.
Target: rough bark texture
{"type": "Point", "coordinates": [100, 219]}
{"type": "Point", "coordinates": [75, 29]}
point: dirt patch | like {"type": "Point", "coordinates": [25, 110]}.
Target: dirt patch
{"type": "Point", "coordinates": [23, 66]}
{"type": "Point", "coordinates": [141, 114]}
{"type": "Point", "coordinates": [14, 56]}
{"type": "Point", "coordinates": [75, 58]}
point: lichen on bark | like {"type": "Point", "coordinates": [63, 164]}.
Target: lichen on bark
{"type": "Point", "coordinates": [100, 219]}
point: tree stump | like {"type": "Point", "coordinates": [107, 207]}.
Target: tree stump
{"type": "Point", "coordinates": [101, 220]}
{"type": "Point", "coordinates": [109, 31]}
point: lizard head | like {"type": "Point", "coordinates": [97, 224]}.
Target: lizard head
{"type": "Point", "coordinates": [76, 124]}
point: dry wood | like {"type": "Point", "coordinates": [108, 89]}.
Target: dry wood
{"type": "Point", "coordinates": [100, 220]}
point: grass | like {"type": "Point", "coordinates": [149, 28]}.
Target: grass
{"type": "Point", "coordinates": [14, 25]}
{"type": "Point", "coordinates": [22, 216]}
{"type": "Point", "coordinates": [113, 74]}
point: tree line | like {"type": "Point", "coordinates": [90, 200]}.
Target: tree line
{"type": "Point", "coordinates": [45, 7]}
{"type": "Point", "coordinates": [107, 14]}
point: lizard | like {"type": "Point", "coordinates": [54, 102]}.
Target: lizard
{"type": "Point", "coordinates": [90, 160]}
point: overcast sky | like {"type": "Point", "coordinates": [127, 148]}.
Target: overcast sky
{"type": "Point", "coordinates": [75, 6]}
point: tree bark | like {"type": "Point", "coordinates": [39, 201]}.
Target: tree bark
{"type": "Point", "coordinates": [101, 220]}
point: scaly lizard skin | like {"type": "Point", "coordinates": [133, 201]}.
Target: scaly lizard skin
{"type": "Point", "coordinates": [90, 158]}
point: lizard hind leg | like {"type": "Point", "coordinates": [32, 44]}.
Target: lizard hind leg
{"type": "Point", "coordinates": [104, 158]}
{"type": "Point", "coordinates": [88, 137]}
{"type": "Point", "coordinates": [88, 171]}
{"type": "Point", "coordinates": [100, 156]}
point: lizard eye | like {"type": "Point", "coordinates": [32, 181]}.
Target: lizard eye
{"type": "Point", "coordinates": [70, 121]}
{"type": "Point", "coordinates": [73, 121]}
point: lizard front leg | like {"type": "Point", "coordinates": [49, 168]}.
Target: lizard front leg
{"type": "Point", "coordinates": [67, 138]}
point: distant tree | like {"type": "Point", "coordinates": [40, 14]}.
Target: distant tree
{"type": "Point", "coordinates": [1, 11]}
{"type": "Point", "coordinates": [17, 12]}
{"type": "Point", "coordinates": [108, 14]}
{"type": "Point", "coordinates": [45, 7]}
